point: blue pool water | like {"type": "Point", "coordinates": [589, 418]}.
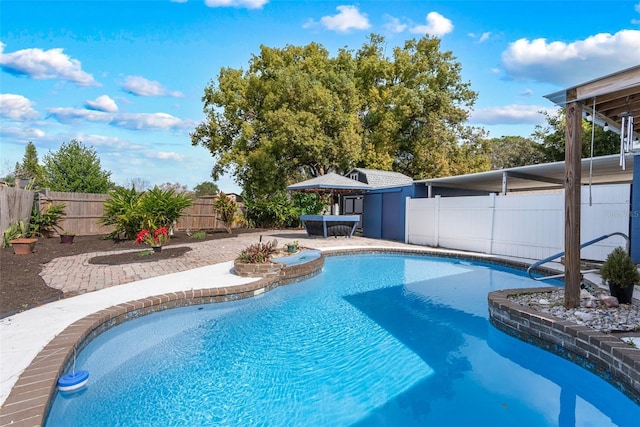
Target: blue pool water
{"type": "Point", "coordinates": [375, 340]}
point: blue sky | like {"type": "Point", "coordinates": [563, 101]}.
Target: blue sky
{"type": "Point", "coordinates": [127, 77]}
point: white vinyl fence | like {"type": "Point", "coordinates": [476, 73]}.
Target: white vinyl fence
{"type": "Point", "coordinates": [526, 225]}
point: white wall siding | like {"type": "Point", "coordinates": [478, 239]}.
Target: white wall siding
{"type": "Point", "coordinates": [526, 226]}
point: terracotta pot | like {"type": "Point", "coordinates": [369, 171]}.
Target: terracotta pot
{"type": "Point", "coordinates": [24, 245]}
{"type": "Point", "coordinates": [67, 238]}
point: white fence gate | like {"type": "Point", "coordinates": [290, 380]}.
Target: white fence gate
{"type": "Point", "coordinates": [525, 225]}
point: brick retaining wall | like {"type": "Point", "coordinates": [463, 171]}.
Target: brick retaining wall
{"type": "Point", "coordinates": [603, 354]}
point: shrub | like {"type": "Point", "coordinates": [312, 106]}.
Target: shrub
{"type": "Point", "coordinates": [619, 269]}
{"type": "Point", "coordinates": [47, 220]}
{"type": "Point", "coordinates": [309, 203]}
{"type": "Point", "coordinates": [227, 210]}
{"type": "Point", "coordinates": [129, 211]}
{"type": "Point", "coordinates": [257, 253]}
{"type": "Point", "coordinates": [199, 235]}
{"type": "Point", "coordinates": [122, 210]}
{"type": "Point", "coordinates": [277, 212]}
{"type": "Point", "coordinates": [160, 208]}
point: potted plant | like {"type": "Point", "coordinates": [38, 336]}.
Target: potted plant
{"type": "Point", "coordinates": [46, 221]}
{"type": "Point", "coordinates": [24, 245]}
{"type": "Point", "coordinates": [18, 236]}
{"type": "Point", "coordinates": [619, 271]}
{"type": "Point", "coordinates": [293, 247]}
{"type": "Point", "coordinates": [66, 237]}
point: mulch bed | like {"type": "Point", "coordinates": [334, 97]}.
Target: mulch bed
{"type": "Point", "coordinates": [21, 286]}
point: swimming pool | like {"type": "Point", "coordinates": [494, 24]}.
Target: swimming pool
{"type": "Point", "coordinates": [373, 340]}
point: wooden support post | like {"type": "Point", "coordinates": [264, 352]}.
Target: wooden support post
{"type": "Point", "coordinates": [573, 175]}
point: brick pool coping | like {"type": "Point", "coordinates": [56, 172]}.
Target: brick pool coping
{"type": "Point", "coordinates": [604, 354]}
{"type": "Point", "coordinates": [29, 400]}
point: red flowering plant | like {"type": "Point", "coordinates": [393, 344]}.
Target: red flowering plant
{"type": "Point", "coordinates": [153, 237]}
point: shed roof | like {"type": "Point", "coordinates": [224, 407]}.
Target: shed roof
{"type": "Point", "coordinates": [379, 178]}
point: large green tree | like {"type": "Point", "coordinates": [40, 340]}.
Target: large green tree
{"type": "Point", "coordinates": [75, 168]}
{"type": "Point", "coordinates": [29, 168]}
{"type": "Point", "coordinates": [298, 112]}
{"type": "Point", "coordinates": [512, 151]}
{"type": "Point", "coordinates": [552, 138]}
{"type": "Point", "coordinates": [206, 188]}
{"type": "Point", "coordinates": [414, 108]}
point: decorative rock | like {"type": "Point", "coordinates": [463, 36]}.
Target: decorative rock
{"type": "Point", "coordinates": [585, 294]}
{"type": "Point", "coordinates": [593, 312]}
{"type": "Point", "coordinates": [585, 317]}
{"type": "Point", "coordinates": [610, 301]}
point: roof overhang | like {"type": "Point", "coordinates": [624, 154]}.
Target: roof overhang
{"type": "Point", "coordinates": [548, 176]}
{"type": "Point", "coordinates": [611, 97]}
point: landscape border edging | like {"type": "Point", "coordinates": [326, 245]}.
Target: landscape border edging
{"type": "Point", "coordinates": [604, 354]}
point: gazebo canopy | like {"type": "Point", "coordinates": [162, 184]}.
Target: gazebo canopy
{"type": "Point", "coordinates": [330, 183]}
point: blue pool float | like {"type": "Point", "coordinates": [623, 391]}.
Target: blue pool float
{"type": "Point", "coordinates": [73, 381]}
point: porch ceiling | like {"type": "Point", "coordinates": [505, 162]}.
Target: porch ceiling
{"type": "Point", "coordinates": [615, 96]}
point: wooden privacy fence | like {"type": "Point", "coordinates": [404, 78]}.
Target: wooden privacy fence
{"type": "Point", "coordinates": [83, 211]}
{"type": "Point", "coordinates": [200, 216]}
{"type": "Point", "coordinates": [15, 205]}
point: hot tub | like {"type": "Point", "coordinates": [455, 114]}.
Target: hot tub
{"type": "Point", "coordinates": [330, 225]}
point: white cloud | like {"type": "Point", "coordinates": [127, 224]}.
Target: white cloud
{"type": "Point", "coordinates": [102, 103]}
{"type": "Point", "coordinates": [526, 92]}
{"type": "Point", "coordinates": [133, 121]}
{"type": "Point", "coordinates": [109, 142]}
{"type": "Point", "coordinates": [481, 38]}
{"type": "Point", "coordinates": [393, 24]}
{"type": "Point", "coordinates": [71, 115]}
{"type": "Point", "coordinates": [45, 64]}
{"type": "Point", "coordinates": [572, 63]}
{"type": "Point", "coordinates": [166, 155]}
{"type": "Point", "coordinates": [513, 114]}
{"type": "Point", "coordinates": [16, 107]}
{"type": "Point", "coordinates": [249, 4]}
{"type": "Point", "coordinates": [19, 133]}
{"type": "Point", "coordinates": [348, 18]}
{"type": "Point", "coordinates": [35, 133]}
{"type": "Point", "coordinates": [149, 121]}
{"type": "Point", "coordinates": [437, 25]}
{"type": "Point", "coordinates": [137, 85]}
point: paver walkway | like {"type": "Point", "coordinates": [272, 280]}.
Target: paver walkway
{"type": "Point", "coordinates": [74, 275]}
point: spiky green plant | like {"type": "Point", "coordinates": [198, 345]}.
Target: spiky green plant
{"type": "Point", "coordinates": [258, 253]}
